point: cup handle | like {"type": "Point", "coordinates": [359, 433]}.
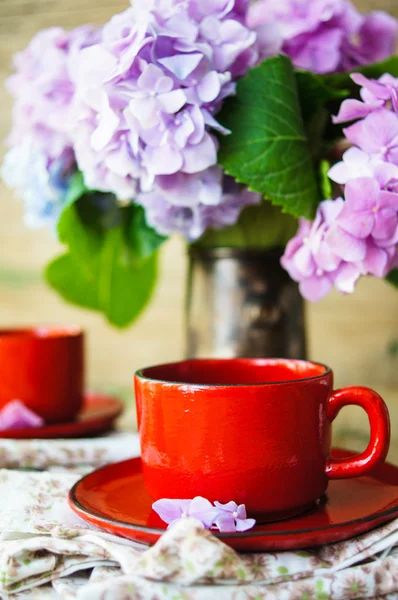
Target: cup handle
{"type": "Point", "coordinates": [379, 422]}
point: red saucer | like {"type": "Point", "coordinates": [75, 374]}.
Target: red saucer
{"type": "Point", "coordinates": [114, 499]}
{"type": "Point", "coordinates": [97, 416]}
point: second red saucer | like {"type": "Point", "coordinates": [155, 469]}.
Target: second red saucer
{"type": "Point", "coordinates": [97, 416]}
{"type": "Point", "coordinates": [114, 499]}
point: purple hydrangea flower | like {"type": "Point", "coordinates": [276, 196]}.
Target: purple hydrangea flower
{"type": "Point", "coordinates": [43, 89]}
{"type": "Point", "coordinates": [191, 204]}
{"type": "Point", "coordinates": [358, 163]}
{"type": "Point", "coordinates": [326, 36]}
{"type": "Point", "coordinates": [41, 158]}
{"type": "Point", "coordinates": [148, 95]}
{"type": "Point", "coordinates": [15, 415]}
{"type": "Point", "coordinates": [375, 94]}
{"type": "Point", "coordinates": [232, 518]}
{"type": "Point", "coordinates": [348, 239]}
{"type": "Point", "coordinates": [376, 134]}
{"type": "Point", "coordinates": [40, 182]}
{"type": "Point", "coordinates": [171, 511]}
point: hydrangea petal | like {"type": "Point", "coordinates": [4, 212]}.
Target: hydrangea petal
{"type": "Point", "coordinates": [346, 278]}
{"type": "Point", "coordinates": [315, 288]}
{"type": "Point", "coordinates": [173, 101]}
{"type": "Point", "coordinates": [245, 524]}
{"type": "Point", "coordinates": [15, 415]}
{"type": "Point", "coordinates": [181, 65]}
{"type": "Point", "coordinates": [345, 245]}
{"type": "Point", "coordinates": [225, 523]}
{"type": "Point", "coordinates": [170, 510]}
{"type": "Point", "coordinates": [376, 261]}
{"type": "Point", "coordinates": [200, 156]}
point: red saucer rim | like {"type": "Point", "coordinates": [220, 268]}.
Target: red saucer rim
{"type": "Point", "coordinates": [90, 399]}
{"type": "Point", "coordinates": [75, 503]}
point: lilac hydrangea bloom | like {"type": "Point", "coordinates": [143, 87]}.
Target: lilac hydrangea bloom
{"type": "Point", "coordinates": [41, 158]}
{"type": "Point", "coordinates": [40, 182]}
{"type": "Point", "coordinates": [326, 36]}
{"type": "Point", "coordinates": [171, 511]}
{"type": "Point", "coordinates": [191, 204]}
{"type": "Point", "coordinates": [348, 239]}
{"type": "Point", "coordinates": [232, 517]}
{"type": "Point", "coordinates": [148, 95]}
{"type": "Point", "coordinates": [15, 415]}
{"type": "Point", "coordinates": [43, 89]}
{"type": "Point", "coordinates": [376, 134]}
{"type": "Point", "coordinates": [225, 517]}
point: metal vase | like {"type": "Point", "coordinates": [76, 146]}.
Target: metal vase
{"type": "Point", "coordinates": [242, 303]}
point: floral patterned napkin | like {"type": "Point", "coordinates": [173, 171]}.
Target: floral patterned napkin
{"type": "Point", "coordinates": [49, 454]}
{"type": "Point", "coordinates": [45, 544]}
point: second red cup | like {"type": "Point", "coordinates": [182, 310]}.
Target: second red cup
{"type": "Point", "coordinates": [43, 367]}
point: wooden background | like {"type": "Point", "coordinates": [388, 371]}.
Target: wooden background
{"type": "Point", "coordinates": [357, 335]}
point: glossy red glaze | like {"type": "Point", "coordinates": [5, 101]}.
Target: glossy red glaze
{"type": "Point", "coordinates": [256, 431]}
{"type": "Point", "coordinates": [97, 416]}
{"type": "Point", "coordinates": [115, 500]}
{"type": "Point", "coordinates": [44, 369]}
{"type": "Point", "coordinates": [379, 421]}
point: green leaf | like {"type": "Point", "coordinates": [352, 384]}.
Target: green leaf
{"type": "Point", "coordinates": [74, 281]}
{"type": "Point", "coordinates": [262, 226]}
{"type": "Point", "coordinates": [100, 271]}
{"type": "Point", "coordinates": [326, 182]}
{"type": "Point", "coordinates": [143, 239]}
{"type": "Point", "coordinates": [314, 92]}
{"type": "Point", "coordinates": [268, 148]}
{"type": "Point", "coordinates": [124, 285]}
{"type": "Point", "coordinates": [76, 189]}
{"type": "Point", "coordinates": [393, 277]}
{"type": "Point", "coordinates": [373, 71]}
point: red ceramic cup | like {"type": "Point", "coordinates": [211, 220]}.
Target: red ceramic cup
{"type": "Point", "coordinates": [43, 368]}
{"type": "Point", "coordinates": [256, 431]}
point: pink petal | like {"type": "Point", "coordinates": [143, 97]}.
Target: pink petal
{"type": "Point", "coordinates": [376, 262]}
{"type": "Point", "coordinates": [173, 101]}
{"type": "Point", "coordinates": [245, 524]}
{"type": "Point", "coordinates": [304, 262]}
{"type": "Point", "coordinates": [329, 210]}
{"type": "Point", "coordinates": [209, 87]}
{"type": "Point", "coordinates": [242, 514]}
{"type": "Point", "coordinates": [203, 510]}
{"type": "Point", "coordinates": [379, 90]}
{"type": "Point", "coordinates": [347, 277]}
{"type": "Point", "coordinates": [315, 288]}
{"type": "Point", "coordinates": [181, 65]}
{"type": "Point", "coordinates": [229, 507]}
{"type": "Point", "coordinates": [386, 223]}
{"type": "Point", "coordinates": [340, 173]}
{"type": "Point", "coordinates": [200, 156]}
{"type": "Point", "coordinates": [211, 122]}
{"type": "Point", "coordinates": [170, 510]}
{"type": "Point", "coordinates": [346, 246]}
{"type": "Point", "coordinates": [351, 110]}
{"type": "Point", "coordinates": [361, 194]}
{"type": "Point", "coordinates": [15, 415]}
{"type": "Point", "coordinates": [377, 131]}
{"type": "Point", "coordinates": [164, 160]}
{"type": "Point", "coordinates": [145, 110]}
{"type": "Point", "coordinates": [225, 523]}
{"type": "Point", "coordinates": [107, 127]}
